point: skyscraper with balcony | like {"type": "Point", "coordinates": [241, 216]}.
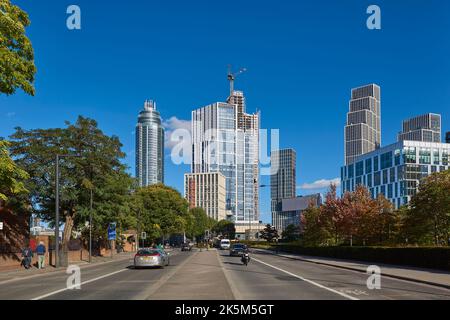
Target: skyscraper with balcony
{"type": "Point", "coordinates": [282, 183]}
{"type": "Point", "coordinates": [363, 128]}
{"type": "Point", "coordinates": [425, 128]}
{"type": "Point", "coordinates": [222, 143]}
{"type": "Point", "coordinates": [149, 146]}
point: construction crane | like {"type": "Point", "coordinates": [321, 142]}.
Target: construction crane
{"type": "Point", "coordinates": [232, 76]}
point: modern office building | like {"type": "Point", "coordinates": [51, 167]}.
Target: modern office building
{"type": "Point", "coordinates": [282, 182]}
{"type": "Point", "coordinates": [426, 128]}
{"type": "Point", "coordinates": [149, 146]}
{"type": "Point", "coordinates": [207, 191]}
{"type": "Point", "coordinates": [363, 128]}
{"type": "Point", "coordinates": [292, 209]}
{"type": "Point", "coordinates": [222, 144]}
{"type": "Point", "coordinates": [396, 170]}
{"type": "Point", "coordinates": [447, 137]}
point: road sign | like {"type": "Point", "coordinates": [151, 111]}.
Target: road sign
{"type": "Point", "coordinates": [144, 235]}
{"type": "Point", "coordinates": [112, 231]}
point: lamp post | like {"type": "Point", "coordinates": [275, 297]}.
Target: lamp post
{"type": "Point", "coordinates": [90, 228]}
{"type": "Point", "coordinates": [58, 156]}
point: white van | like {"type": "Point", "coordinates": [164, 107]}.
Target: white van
{"type": "Point", "coordinates": [225, 244]}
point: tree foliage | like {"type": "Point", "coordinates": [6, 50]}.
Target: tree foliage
{"type": "Point", "coordinates": [98, 167]}
{"type": "Point", "coordinates": [291, 233]}
{"type": "Point", "coordinates": [269, 233]}
{"type": "Point", "coordinates": [428, 219]}
{"type": "Point", "coordinates": [17, 67]}
{"type": "Point", "coordinates": [11, 176]}
{"type": "Point", "coordinates": [225, 228]}
{"type": "Point", "coordinates": [161, 211]}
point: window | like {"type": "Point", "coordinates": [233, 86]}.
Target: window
{"type": "Point", "coordinates": [359, 168]}
{"type": "Point", "coordinates": [385, 177]}
{"type": "Point", "coordinates": [397, 157]}
{"type": "Point", "coordinates": [386, 160]}
{"type": "Point", "coordinates": [392, 175]}
{"type": "Point", "coordinates": [436, 156]}
{"type": "Point", "coordinates": [425, 156]}
{"type": "Point", "coordinates": [369, 166]}
{"type": "Point", "coordinates": [445, 157]}
{"type": "Point", "coordinates": [377, 178]}
{"type": "Point", "coordinates": [369, 180]}
{"type": "Point", "coordinates": [375, 163]}
{"type": "Point", "coordinates": [409, 155]}
{"type": "Point", "coordinates": [351, 171]}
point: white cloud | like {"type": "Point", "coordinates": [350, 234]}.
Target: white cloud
{"type": "Point", "coordinates": [320, 184]}
{"type": "Point", "coordinates": [172, 125]}
{"type": "Point", "coordinates": [10, 114]}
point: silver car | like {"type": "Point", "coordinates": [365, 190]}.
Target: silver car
{"type": "Point", "coordinates": [150, 258]}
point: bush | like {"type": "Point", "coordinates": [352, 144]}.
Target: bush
{"type": "Point", "coordinates": [423, 257]}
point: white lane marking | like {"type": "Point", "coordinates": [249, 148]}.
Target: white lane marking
{"type": "Point", "coordinates": [306, 280]}
{"type": "Point", "coordinates": [83, 283]}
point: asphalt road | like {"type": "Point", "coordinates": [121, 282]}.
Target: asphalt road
{"type": "Point", "coordinates": [212, 274]}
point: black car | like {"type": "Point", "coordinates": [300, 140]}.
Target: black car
{"type": "Point", "coordinates": [186, 247]}
{"type": "Point", "coordinates": [238, 250]}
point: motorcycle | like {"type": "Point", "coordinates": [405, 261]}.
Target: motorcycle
{"type": "Point", "coordinates": [245, 258]}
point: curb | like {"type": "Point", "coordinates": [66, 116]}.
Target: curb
{"type": "Point", "coordinates": [435, 284]}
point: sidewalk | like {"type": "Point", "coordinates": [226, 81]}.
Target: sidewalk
{"type": "Point", "coordinates": [426, 276]}
{"type": "Point", "coordinates": [7, 275]}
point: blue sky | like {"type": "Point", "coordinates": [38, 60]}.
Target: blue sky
{"type": "Point", "coordinates": [303, 57]}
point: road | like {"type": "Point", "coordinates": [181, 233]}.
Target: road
{"type": "Point", "coordinates": [211, 275]}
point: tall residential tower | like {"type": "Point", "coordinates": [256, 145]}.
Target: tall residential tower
{"type": "Point", "coordinates": [149, 146]}
{"type": "Point", "coordinates": [426, 128]}
{"type": "Point", "coordinates": [363, 129]}
{"type": "Point", "coordinates": [282, 183]}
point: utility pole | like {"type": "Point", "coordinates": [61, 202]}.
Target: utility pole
{"type": "Point", "coordinates": [90, 229]}
{"type": "Point", "coordinates": [57, 213]}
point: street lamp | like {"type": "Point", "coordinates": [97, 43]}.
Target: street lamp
{"type": "Point", "coordinates": [58, 156]}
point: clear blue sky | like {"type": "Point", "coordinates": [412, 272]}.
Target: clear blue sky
{"type": "Point", "coordinates": [303, 57]}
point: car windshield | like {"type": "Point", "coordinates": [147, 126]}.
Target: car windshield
{"type": "Point", "coordinates": [239, 246]}
{"type": "Point", "coordinates": [146, 252]}
{"type": "Point", "coordinates": [225, 241]}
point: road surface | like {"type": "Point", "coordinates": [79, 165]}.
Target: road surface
{"type": "Point", "coordinates": [213, 275]}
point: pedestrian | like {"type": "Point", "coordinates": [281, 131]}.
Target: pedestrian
{"type": "Point", "coordinates": [41, 251]}
{"type": "Point", "coordinates": [27, 255]}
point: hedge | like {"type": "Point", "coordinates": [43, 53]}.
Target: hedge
{"type": "Point", "coordinates": [422, 257]}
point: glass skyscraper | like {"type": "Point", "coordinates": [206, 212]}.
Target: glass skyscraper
{"type": "Point", "coordinates": [426, 128]}
{"type": "Point", "coordinates": [226, 140]}
{"type": "Point", "coordinates": [149, 146]}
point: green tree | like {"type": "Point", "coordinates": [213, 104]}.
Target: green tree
{"type": "Point", "coordinates": [315, 230]}
{"type": "Point", "coordinates": [269, 233]}
{"type": "Point", "coordinates": [291, 233]}
{"type": "Point", "coordinates": [17, 67]}
{"type": "Point", "coordinates": [11, 176]}
{"type": "Point", "coordinates": [98, 168]}
{"type": "Point", "coordinates": [428, 221]}
{"type": "Point", "coordinates": [198, 223]}
{"type": "Point", "coordinates": [161, 211]}
{"type": "Point", "coordinates": [225, 228]}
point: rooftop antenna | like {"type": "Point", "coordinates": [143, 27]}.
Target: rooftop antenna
{"type": "Point", "coordinates": [232, 76]}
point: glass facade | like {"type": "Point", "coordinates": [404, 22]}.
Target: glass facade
{"type": "Point", "coordinates": [396, 170]}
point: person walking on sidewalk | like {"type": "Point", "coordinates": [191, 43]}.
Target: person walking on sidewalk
{"type": "Point", "coordinates": [41, 251]}
{"type": "Point", "coordinates": [27, 255]}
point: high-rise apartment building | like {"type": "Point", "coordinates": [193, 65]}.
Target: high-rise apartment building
{"type": "Point", "coordinates": [282, 182]}
{"type": "Point", "coordinates": [426, 128]}
{"type": "Point", "coordinates": [207, 191]}
{"type": "Point", "coordinates": [363, 128]}
{"type": "Point", "coordinates": [223, 144]}
{"type": "Point", "coordinates": [149, 146]}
